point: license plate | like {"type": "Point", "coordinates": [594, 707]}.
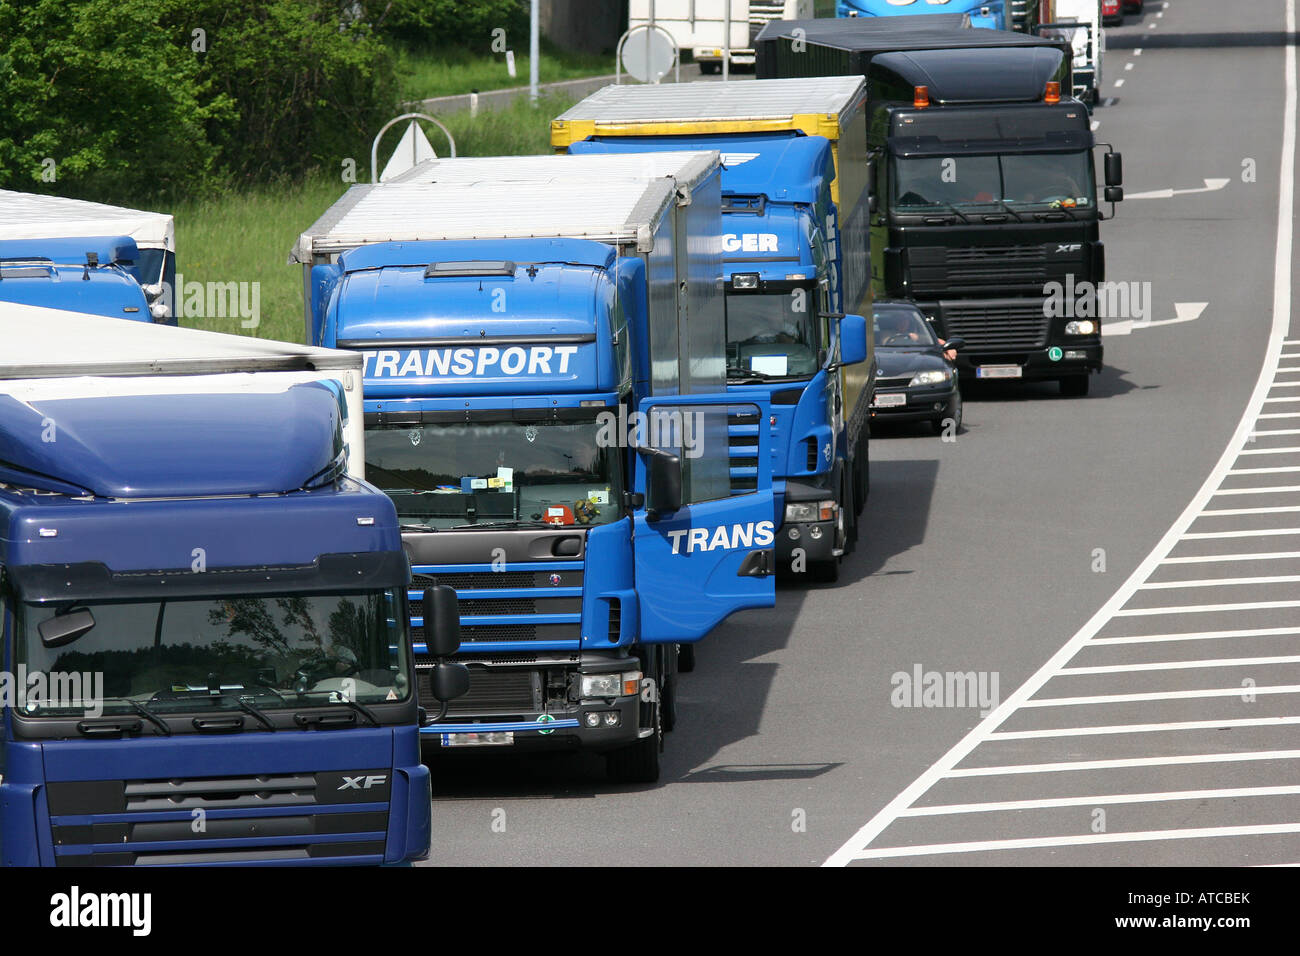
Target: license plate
{"type": "Point", "coordinates": [889, 399]}
{"type": "Point", "coordinates": [999, 371]}
{"type": "Point", "coordinates": [491, 738]}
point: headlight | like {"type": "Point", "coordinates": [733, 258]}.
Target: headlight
{"type": "Point", "coordinates": [810, 511]}
{"type": "Point", "coordinates": [936, 377]}
{"type": "Point", "coordinates": [611, 685]}
{"type": "Point", "coordinates": [1085, 327]}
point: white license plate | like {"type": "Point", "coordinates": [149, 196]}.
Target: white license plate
{"type": "Point", "coordinates": [889, 400]}
{"type": "Point", "coordinates": [491, 738]}
{"type": "Point", "coordinates": [999, 371]}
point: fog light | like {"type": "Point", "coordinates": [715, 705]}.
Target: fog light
{"type": "Point", "coordinates": [592, 719]}
{"type": "Point", "coordinates": [938, 406]}
{"type": "Point", "coordinates": [611, 718]}
{"type": "Point", "coordinates": [793, 533]}
{"type": "Point", "coordinates": [744, 280]}
{"type": "Point", "coordinates": [815, 532]}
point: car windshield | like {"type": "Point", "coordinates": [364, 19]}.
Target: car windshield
{"type": "Point", "coordinates": [290, 650]}
{"type": "Point", "coordinates": [772, 334]}
{"type": "Point", "coordinates": [1054, 180]}
{"type": "Point", "coordinates": [465, 474]}
{"type": "Point", "coordinates": [901, 328]}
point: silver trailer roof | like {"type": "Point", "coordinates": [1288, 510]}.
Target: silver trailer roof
{"type": "Point", "coordinates": [686, 167]}
{"type": "Point", "coordinates": [577, 201]}
{"type": "Point", "coordinates": [706, 101]}
{"type": "Point", "coordinates": [29, 216]}
{"type": "Point", "coordinates": [53, 343]}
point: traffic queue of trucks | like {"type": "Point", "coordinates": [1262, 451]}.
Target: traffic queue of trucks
{"type": "Point", "coordinates": [601, 398]}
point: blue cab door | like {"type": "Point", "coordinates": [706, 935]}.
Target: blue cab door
{"type": "Point", "coordinates": [716, 553]}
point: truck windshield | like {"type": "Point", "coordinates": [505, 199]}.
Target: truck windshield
{"type": "Point", "coordinates": [1052, 180]}
{"type": "Point", "coordinates": [499, 473]}
{"type": "Point", "coordinates": [287, 651]}
{"type": "Point", "coordinates": [772, 335]}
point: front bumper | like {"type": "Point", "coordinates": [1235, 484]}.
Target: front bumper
{"type": "Point", "coordinates": [1037, 365]}
{"type": "Point", "coordinates": [924, 403]}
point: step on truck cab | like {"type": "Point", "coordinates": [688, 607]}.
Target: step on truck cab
{"type": "Point", "coordinates": [795, 259]}
{"type": "Point", "coordinates": [983, 190]}
{"type": "Point", "coordinates": [206, 650]}
{"type": "Point", "coordinates": [95, 275]}
{"type": "Point", "coordinates": [75, 227]}
{"type": "Point", "coordinates": [545, 404]}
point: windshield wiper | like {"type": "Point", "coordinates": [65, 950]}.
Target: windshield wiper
{"type": "Point", "coordinates": [740, 372]}
{"type": "Point", "coordinates": [1007, 206]}
{"type": "Point", "coordinates": [354, 705]}
{"type": "Point", "coordinates": [509, 523]}
{"type": "Point", "coordinates": [144, 712]}
{"type": "Point", "coordinates": [417, 527]}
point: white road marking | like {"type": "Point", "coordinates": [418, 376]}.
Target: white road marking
{"type": "Point", "coordinates": [1220, 582]}
{"type": "Point", "coordinates": [1128, 66]}
{"type": "Point", "coordinates": [1281, 415]}
{"type": "Point", "coordinates": [1216, 558]}
{"type": "Point", "coordinates": [1179, 665]}
{"type": "Point", "coordinates": [1095, 124]}
{"type": "Point", "coordinates": [1204, 608]}
{"type": "Point", "coordinates": [1119, 83]}
{"type": "Point", "coordinates": [857, 846]}
{"type": "Point", "coordinates": [1272, 490]}
{"type": "Point", "coordinates": [1095, 799]}
{"type": "Point", "coordinates": [1137, 51]}
{"type": "Point", "coordinates": [1224, 512]}
{"type": "Point", "coordinates": [1143, 728]}
{"type": "Point", "coordinates": [1197, 635]}
{"type": "Point", "coordinates": [1163, 695]}
{"type": "Point", "coordinates": [1211, 185]}
{"type": "Point", "coordinates": [1139, 836]}
{"type": "Point", "coordinates": [1276, 470]}
{"type": "Point", "coordinates": [1250, 533]}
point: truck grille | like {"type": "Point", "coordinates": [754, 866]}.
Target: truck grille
{"type": "Point", "coordinates": [996, 326]}
{"type": "Point", "coordinates": [979, 269]}
{"type": "Point", "coordinates": [496, 691]}
{"type": "Point", "coordinates": [91, 821]}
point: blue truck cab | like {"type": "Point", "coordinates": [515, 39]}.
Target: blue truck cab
{"type": "Point", "coordinates": [990, 14]}
{"type": "Point", "coordinates": [205, 633]}
{"type": "Point", "coordinates": [96, 275]}
{"type": "Point", "coordinates": [553, 432]}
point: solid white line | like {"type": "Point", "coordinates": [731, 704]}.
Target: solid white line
{"type": "Point", "coordinates": [1204, 608]}
{"type": "Point", "coordinates": [1252, 533]}
{"type": "Point", "coordinates": [1123, 763]}
{"type": "Point", "coordinates": [1281, 415]}
{"type": "Point", "coordinates": [1221, 582]}
{"type": "Point", "coordinates": [1285, 385]}
{"type": "Point", "coordinates": [1053, 802]}
{"type": "Point", "coordinates": [1163, 695]}
{"type": "Point", "coordinates": [1137, 836]}
{"type": "Point", "coordinates": [1224, 512]}
{"type": "Point", "coordinates": [1278, 431]}
{"type": "Point", "coordinates": [1288, 450]}
{"type": "Point", "coordinates": [1215, 558]}
{"type": "Point", "coordinates": [1278, 470]}
{"type": "Point", "coordinates": [1142, 728]}
{"type": "Point", "coordinates": [1178, 665]}
{"type": "Point", "coordinates": [1270, 490]}
{"type": "Point", "coordinates": [1197, 635]}
{"type": "Point", "coordinates": [1281, 320]}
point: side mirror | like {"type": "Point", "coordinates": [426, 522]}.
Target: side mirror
{"type": "Point", "coordinates": [1114, 194]}
{"type": "Point", "coordinates": [853, 340]}
{"type": "Point", "coordinates": [954, 343]}
{"type": "Point", "coordinates": [663, 482]}
{"type": "Point", "coordinates": [1114, 169]}
{"type": "Point", "coordinates": [441, 621]}
{"type": "Point", "coordinates": [448, 680]}
{"type": "Point", "coordinates": [65, 628]}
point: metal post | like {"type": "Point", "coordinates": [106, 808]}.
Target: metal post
{"type": "Point", "coordinates": [648, 33]}
{"type": "Point", "coordinates": [533, 55]}
{"type": "Point", "coordinates": [726, 42]}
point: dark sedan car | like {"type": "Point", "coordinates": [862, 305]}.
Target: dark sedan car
{"type": "Point", "coordinates": [915, 381]}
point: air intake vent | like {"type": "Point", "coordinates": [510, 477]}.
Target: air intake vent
{"type": "Point", "coordinates": [812, 453]}
{"type": "Point", "coordinates": [615, 619]}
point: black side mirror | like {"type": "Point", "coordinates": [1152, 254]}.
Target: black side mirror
{"type": "Point", "coordinates": [954, 343]}
{"type": "Point", "coordinates": [65, 628]}
{"type": "Point", "coordinates": [1114, 169]}
{"type": "Point", "coordinates": [441, 621]}
{"type": "Point", "coordinates": [448, 680]}
{"type": "Point", "coordinates": [663, 482]}
{"type": "Point", "coordinates": [1114, 194]}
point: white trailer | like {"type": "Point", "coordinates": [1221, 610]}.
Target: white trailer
{"type": "Point", "coordinates": [700, 26]}
{"type": "Point", "coordinates": [1079, 23]}
{"type": "Point", "coordinates": [51, 353]}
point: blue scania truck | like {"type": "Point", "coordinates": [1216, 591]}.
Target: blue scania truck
{"type": "Point", "coordinates": [96, 275]}
{"type": "Point", "coordinates": [545, 403]}
{"type": "Point", "coordinates": [795, 258]}
{"type": "Point", "coordinates": [206, 650]}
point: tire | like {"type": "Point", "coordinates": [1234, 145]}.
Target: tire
{"type": "Point", "coordinates": [1075, 386]}
{"type": "Point", "coordinates": [710, 68]}
{"type": "Point", "coordinates": [685, 658]}
{"type": "Point", "coordinates": [953, 411]}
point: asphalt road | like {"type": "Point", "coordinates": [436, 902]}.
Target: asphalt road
{"type": "Point", "coordinates": [1035, 551]}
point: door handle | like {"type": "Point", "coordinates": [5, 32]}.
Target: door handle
{"type": "Point", "coordinates": [757, 564]}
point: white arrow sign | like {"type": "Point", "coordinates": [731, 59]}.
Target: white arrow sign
{"type": "Point", "coordinates": [1211, 186]}
{"type": "Point", "coordinates": [1183, 312]}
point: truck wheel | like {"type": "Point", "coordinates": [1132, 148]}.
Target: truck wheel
{"type": "Point", "coordinates": [1076, 386]}
{"type": "Point", "coordinates": [637, 762]}
{"type": "Point", "coordinates": [709, 67]}
{"type": "Point", "coordinates": [685, 658]}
